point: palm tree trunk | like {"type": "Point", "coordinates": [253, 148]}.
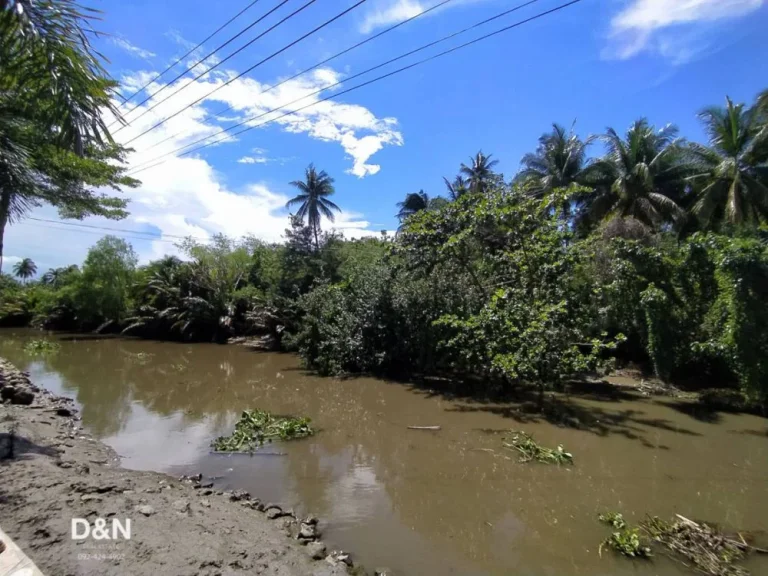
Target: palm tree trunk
{"type": "Point", "coordinates": [317, 240]}
{"type": "Point", "coordinates": [5, 204]}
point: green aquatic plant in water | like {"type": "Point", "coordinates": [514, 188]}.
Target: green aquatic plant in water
{"type": "Point", "coordinates": [529, 450]}
{"type": "Point", "coordinates": [625, 540]}
{"type": "Point", "coordinates": [704, 548]}
{"type": "Point", "coordinates": [256, 427]}
{"type": "Point", "coordinates": [41, 346]}
{"type": "Point", "coordinates": [614, 519]}
{"type": "Point", "coordinates": [628, 542]}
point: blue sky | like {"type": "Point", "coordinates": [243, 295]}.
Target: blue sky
{"type": "Point", "coordinates": [600, 62]}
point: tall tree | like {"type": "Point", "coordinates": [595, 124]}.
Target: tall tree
{"type": "Point", "coordinates": [640, 176]}
{"type": "Point", "coordinates": [25, 269]}
{"type": "Point", "coordinates": [55, 277]}
{"type": "Point", "coordinates": [313, 201]}
{"type": "Point", "coordinates": [54, 144]}
{"type": "Point", "coordinates": [457, 188]}
{"type": "Point", "coordinates": [108, 274]}
{"type": "Point", "coordinates": [559, 160]}
{"type": "Point", "coordinates": [413, 203]}
{"type": "Point", "coordinates": [479, 172]}
{"type": "Point", "coordinates": [731, 179]}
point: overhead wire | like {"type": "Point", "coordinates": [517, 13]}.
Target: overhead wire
{"type": "Point", "coordinates": [191, 51]}
{"type": "Point", "coordinates": [142, 167]}
{"type": "Point", "coordinates": [121, 235]}
{"type": "Point", "coordinates": [108, 228]}
{"type": "Point", "coordinates": [357, 75]}
{"type": "Point", "coordinates": [315, 66]}
{"type": "Point", "coordinates": [268, 58]}
{"type": "Point", "coordinates": [212, 68]}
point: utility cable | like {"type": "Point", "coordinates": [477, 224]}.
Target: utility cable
{"type": "Point", "coordinates": [315, 66]}
{"type": "Point", "coordinates": [268, 58]}
{"type": "Point", "coordinates": [181, 58]}
{"type": "Point", "coordinates": [142, 166]}
{"type": "Point", "coordinates": [204, 58]}
{"type": "Point", "coordinates": [125, 236]}
{"type": "Point", "coordinates": [107, 228]}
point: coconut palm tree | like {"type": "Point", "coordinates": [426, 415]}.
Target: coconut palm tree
{"type": "Point", "coordinates": [640, 176]}
{"type": "Point", "coordinates": [25, 269]}
{"type": "Point", "coordinates": [560, 160]}
{"type": "Point", "coordinates": [313, 199]}
{"type": "Point", "coordinates": [731, 179]}
{"type": "Point", "coordinates": [457, 188]}
{"type": "Point", "coordinates": [56, 276]}
{"type": "Point", "coordinates": [413, 203]}
{"type": "Point", "coordinates": [479, 172]}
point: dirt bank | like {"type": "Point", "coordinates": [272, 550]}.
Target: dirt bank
{"type": "Point", "coordinates": [52, 471]}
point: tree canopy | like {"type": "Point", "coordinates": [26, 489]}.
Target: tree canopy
{"type": "Point", "coordinates": [54, 91]}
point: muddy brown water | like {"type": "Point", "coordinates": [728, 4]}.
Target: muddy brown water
{"type": "Point", "coordinates": [421, 503]}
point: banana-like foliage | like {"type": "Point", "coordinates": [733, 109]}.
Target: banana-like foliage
{"type": "Point", "coordinates": [202, 299]}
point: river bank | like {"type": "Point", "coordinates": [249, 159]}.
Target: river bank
{"type": "Point", "coordinates": [53, 471]}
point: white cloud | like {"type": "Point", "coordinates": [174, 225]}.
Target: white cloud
{"type": "Point", "coordinates": [132, 49]}
{"type": "Point", "coordinates": [253, 160]}
{"type": "Point", "coordinates": [644, 25]}
{"type": "Point", "coordinates": [390, 13]}
{"type": "Point", "coordinates": [9, 261]}
{"type": "Point", "coordinates": [187, 196]}
{"type": "Point", "coordinates": [359, 132]}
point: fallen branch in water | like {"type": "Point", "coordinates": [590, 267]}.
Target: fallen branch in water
{"type": "Point", "coordinates": [423, 427]}
{"type": "Point", "coordinates": [700, 546]}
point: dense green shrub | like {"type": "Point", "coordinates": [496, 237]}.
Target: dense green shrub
{"type": "Point", "coordinates": [494, 288]}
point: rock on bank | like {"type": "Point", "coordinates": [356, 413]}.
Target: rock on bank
{"type": "Point", "coordinates": [51, 471]}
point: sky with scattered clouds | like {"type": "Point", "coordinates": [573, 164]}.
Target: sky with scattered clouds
{"type": "Point", "coordinates": [603, 63]}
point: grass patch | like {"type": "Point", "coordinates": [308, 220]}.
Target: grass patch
{"type": "Point", "coordinates": [256, 427]}
{"type": "Point", "coordinates": [529, 450]}
{"type": "Point", "coordinates": [699, 546]}
{"type": "Point", "coordinates": [41, 346]}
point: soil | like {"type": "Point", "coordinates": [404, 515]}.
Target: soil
{"type": "Point", "coordinates": [52, 471]}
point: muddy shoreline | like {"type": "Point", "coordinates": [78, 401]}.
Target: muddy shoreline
{"type": "Point", "coordinates": [53, 471]}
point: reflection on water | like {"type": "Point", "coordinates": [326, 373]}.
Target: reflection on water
{"type": "Point", "coordinates": [426, 503]}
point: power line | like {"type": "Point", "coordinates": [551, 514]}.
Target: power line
{"type": "Point", "coordinates": [142, 168]}
{"type": "Point", "coordinates": [390, 61]}
{"type": "Point", "coordinates": [82, 225]}
{"type": "Point", "coordinates": [228, 82]}
{"type": "Point", "coordinates": [215, 65]}
{"type": "Point", "coordinates": [345, 51]}
{"type": "Point", "coordinates": [181, 58]}
{"type": "Point", "coordinates": [126, 236]}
